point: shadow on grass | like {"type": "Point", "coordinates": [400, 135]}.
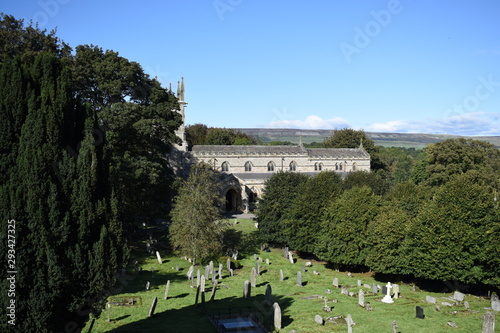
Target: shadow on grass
{"type": "Point", "coordinates": [195, 318]}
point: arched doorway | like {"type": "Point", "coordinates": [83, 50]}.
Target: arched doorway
{"type": "Point", "coordinates": [233, 200]}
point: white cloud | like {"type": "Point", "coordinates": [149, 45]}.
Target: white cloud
{"type": "Point", "coordinates": [311, 122]}
{"type": "Point", "coordinates": [467, 124]}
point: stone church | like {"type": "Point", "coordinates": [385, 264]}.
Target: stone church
{"type": "Point", "coordinates": [244, 169]}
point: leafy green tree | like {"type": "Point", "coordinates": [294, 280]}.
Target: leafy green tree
{"type": "Point", "coordinates": [343, 239]}
{"type": "Point", "coordinates": [196, 134]}
{"type": "Point", "coordinates": [377, 181]}
{"type": "Point", "coordinates": [456, 236]}
{"type": "Point", "coordinates": [302, 221]}
{"type": "Point", "coordinates": [278, 196]}
{"type": "Point", "coordinates": [455, 156]}
{"type": "Point", "coordinates": [400, 162]}
{"type": "Point", "coordinates": [197, 229]}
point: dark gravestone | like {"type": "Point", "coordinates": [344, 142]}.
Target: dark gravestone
{"type": "Point", "coordinates": [247, 289]}
{"type": "Point", "coordinates": [419, 312]}
{"type": "Point", "coordinates": [214, 288]}
{"type": "Point", "coordinates": [197, 295]}
{"type": "Point", "coordinates": [384, 290]}
{"type": "Point", "coordinates": [268, 294]}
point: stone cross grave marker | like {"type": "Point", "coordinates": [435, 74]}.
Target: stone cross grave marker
{"type": "Point", "coordinates": [167, 287]}
{"type": "Point", "coordinates": [299, 279]}
{"type": "Point", "coordinates": [419, 312]}
{"type": "Point", "coordinates": [361, 298]}
{"type": "Point", "coordinates": [387, 298]}
{"type": "Point", "coordinates": [159, 257]}
{"type": "Point", "coordinates": [153, 307]}
{"type": "Point", "coordinates": [488, 322]}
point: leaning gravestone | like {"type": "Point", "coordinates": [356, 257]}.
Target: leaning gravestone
{"type": "Point", "coordinates": [159, 257]}
{"type": "Point", "coordinates": [153, 307]}
{"type": "Point", "coordinates": [361, 298]}
{"type": "Point", "coordinates": [214, 288]}
{"type": "Point", "coordinates": [277, 316]}
{"type": "Point", "coordinates": [167, 287]}
{"type": "Point", "coordinates": [147, 285]}
{"type": "Point", "coordinates": [247, 289]}
{"type": "Point", "coordinates": [319, 319]}
{"type": "Point", "coordinates": [299, 279]}
{"type": "Point", "coordinates": [336, 282]}
{"type": "Point", "coordinates": [488, 322]}
{"type": "Point", "coordinates": [419, 312]}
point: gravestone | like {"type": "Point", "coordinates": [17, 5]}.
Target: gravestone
{"type": "Point", "coordinates": [303, 268]}
{"type": "Point", "coordinates": [419, 312]}
{"type": "Point", "coordinates": [458, 296]}
{"type": "Point", "coordinates": [148, 247]}
{"type": "Point", "coordinates": [387, 298]}
{"type": "Point", "coordinates": [495, 304]}
{"type": "Point", "coordinates": [336, 282]}
{"type": "Point", "coordinates": [350, 323]}
{"type": "Point", "coordinates": [308, 264]}
{"type": "Point", "coordinates": [466, 305]}
{"type": "Point", "coordinates": [177, 267]}
{"type": "Point", "coordinates": [202, 283]}
{"type": "Point", "coordinates": [368, 306]}
{"type": "Point", "coordinates": [228, 264]}
{"type": "Point", "coordinates": [361, 298]}
{"type": "Point", "coordinates": [268, 262]}
{"type": "Point", "coordinates": [430, 299]}
{"type": "Point", "coordinates": [235, 255]}
{"type": "Point", "coordinates": [214, 288]}
{"type": "Point", "coordinates": [359, 283]}
{"type": "Point", "coordinates": [198, 276]}
{"type": "Point", "coordinates": [192, 281]}
{"type": "Point", "coordinates": [488, 322]}
{"type": "Point", "coordinates": [281, 275]}
{"type": "Point", "coordinates": [253, 278]}
{"type": "Point", "coordinates": [285, 252]}
{"type": "Point", "coordinates": [255, 256]}
{"type": "Point", "coordinates": [167, 287]}
{"type": "Point", "coordinates": [197, 295]}
{"type": "Point", "coordinates": [367, 286]}
{"type": "Point", "coordinates": [231, 272]}
{"type": "Point", "coordinates": [257, 268]}
{"type": "Point", "coordinates": [220, 270]}
{"type": "Point", "coordinates": [207, 272]}
{"type": "Point", "coordinates": [384, 290]}
{"type": "Point", "coordinates": [109, 313]}
{"type": "Point", "coordinates": [349, 274]}
{"type": "Point", "coordinates": [344, 290]}
{"type": "Point", "coordinates": [159, 257]}
{"type": "Point", "coordinates": [153, 307]}
{"type": "Point", "coordinates": [190, 272]}
{"type": "Point", "coordinates": [315, 272]}
{"type": "Point", "coordinates": [394, 327]}
{"type": "Point", "coordinates": [277, 316]}
{"type": "Point", "coordinates": [319, 319]}
{"type": "Point", "coordinates": [299, 279]}
{"type": "Point", "coordinates": [395, 290]}
{"type": "Point", "coordinates": [268, 294]}
{"type": "Point", "coordinates": [147, 285]}
{"type": "Point", "coordinates": [211, 265]}
{"type": "Point", "coordinates": [290, 257]}
{"type": "Point", "coordinates": [374, 289]}
{"type": "Point", "coordinates": [214, 277]}
{"type": "Point", "coordinates": [247, 289]}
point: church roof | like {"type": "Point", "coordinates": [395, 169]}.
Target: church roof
{"type": "Point", "coordinates": [256, 150]}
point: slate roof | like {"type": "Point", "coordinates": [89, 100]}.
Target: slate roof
{"type": "Point", "coordinates": [279, 150]}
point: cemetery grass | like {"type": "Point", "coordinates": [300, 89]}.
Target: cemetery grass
{"type": "Point", "coordinates": [299, 305]}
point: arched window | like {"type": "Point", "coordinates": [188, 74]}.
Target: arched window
{"type": "Point", "coordinates": [354, 166]}
{"type": "Point", "coordinates": [270, 166]}
{"type": "Point", "coordinates": [248, 166]}
{"type": "Point", "coordinates": [315, 166]}
{"type": "Point", "coordinates": [293, 166]}
{"type": "Point", "coordinates": [224, 167]}
{"type": "Point", "coordinates": [336, 166]}
{"type": "Point", "coordinates": [320, 166]}
{"type": "Point", "coordinates": [340, 166]}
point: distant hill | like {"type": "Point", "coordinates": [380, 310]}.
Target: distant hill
{"type": "Point", "coordinates": [407, 140]}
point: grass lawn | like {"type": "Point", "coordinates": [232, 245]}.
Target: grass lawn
{"type": "Point", "coordinates": [298, 304]}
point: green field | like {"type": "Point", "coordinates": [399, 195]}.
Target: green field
{"type": "Point", "coordinates": [299, 304]}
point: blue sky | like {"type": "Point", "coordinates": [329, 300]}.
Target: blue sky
{"type": "Point", "coordinates": [381, 66]}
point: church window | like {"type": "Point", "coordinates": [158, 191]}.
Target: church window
{"type": "Point", "coordinates": [315, 166]}
{"type": "Point", "coordinates": [336, 166]}
{"type": "Point", "coordinates": [224, 167]}
{"type": "Point", "coordinates": [270, 166]}
{"type": "Point", "coordinates": [340, 166]}
{"type": "Point", "coordinates": [320, 166]}
{"type": "Point", "coordinates": [293, 166]}
{"type": "Point", "coordinates": [354, 166]}
{"type": "Point", "coordinates": [248, 166]}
